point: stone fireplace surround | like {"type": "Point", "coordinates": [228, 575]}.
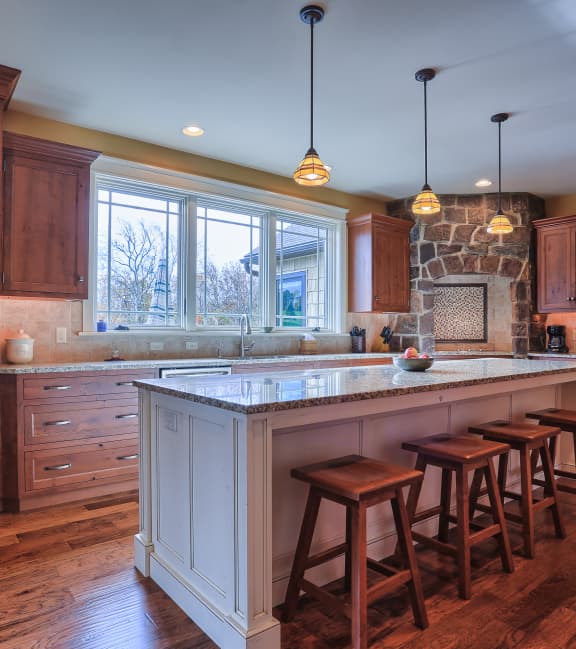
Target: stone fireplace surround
{"type": "Point", "coordinates": [456, 242]}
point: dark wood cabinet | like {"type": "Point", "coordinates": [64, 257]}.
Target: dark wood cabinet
{"type": "Point", "coordinates": [45, 218]}
{"type": "Point", "coordinates": [378, 264]}
{"type": "Point", "coordinates": [68, 436]}
{"type": "Point", "coordinates": [556, 264]}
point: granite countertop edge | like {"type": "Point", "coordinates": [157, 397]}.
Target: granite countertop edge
{"type": "Point", "coordinates": [277, 406]}
{"type": "Point", "coordinates": [100, 366]}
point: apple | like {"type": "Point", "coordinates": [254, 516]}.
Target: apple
{"type": "Point", "coordinates": [424, 355]}
{"type": "Point", "coordinates": [411, 352]}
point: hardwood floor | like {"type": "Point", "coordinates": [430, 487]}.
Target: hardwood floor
{"type": "Point", "coordinates": [67, 582]}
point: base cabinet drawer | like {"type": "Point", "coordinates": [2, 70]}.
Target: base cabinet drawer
{"type": "Point", "coordinates": [80, 464]}
{"type": "Point", "coordinates": [58, 387]}
{"type": "Point", "coordinates": [50, 422]}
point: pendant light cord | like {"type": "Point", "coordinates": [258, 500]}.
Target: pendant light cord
{"type": "Point", "coordinates": [312, 21]}
{"type": "Point", "coordinates": [425, 135]}
{"type": "Point", "coordinates": [499, 167]}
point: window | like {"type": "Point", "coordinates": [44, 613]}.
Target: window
{"type": "Point", "coordinates": [138, 264]}
{"type": "Point", "coordinates": [168, 257]}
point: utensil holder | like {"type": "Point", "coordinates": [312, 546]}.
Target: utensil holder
{"type": "Point", "coordinates": [358, 344]}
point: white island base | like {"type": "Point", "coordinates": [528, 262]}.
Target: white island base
{"type": "Point", "coordinates": [219, 513]}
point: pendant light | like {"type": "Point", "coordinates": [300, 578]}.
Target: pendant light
{"type": "Point", "coordinates": [500, 223]}
{"type": "Point", "coordinates": [426, 202]}
{"type": "Point", "coordinates": [311, 171]}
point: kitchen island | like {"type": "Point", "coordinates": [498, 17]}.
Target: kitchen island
{"type": "Point", "coordinates": [219, 514]}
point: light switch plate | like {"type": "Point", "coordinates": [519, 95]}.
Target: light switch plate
{"type": "Point", "coordinates": [191, 345]}
{"type": "Point", "coordinates": [156, 347]}
{"type": "Point", "coordinates": [61, 335]}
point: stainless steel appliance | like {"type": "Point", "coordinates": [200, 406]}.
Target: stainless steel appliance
{"type": "Point", "coordinates": [557, 338]}
{"type": "Point", "coordinates": [167, 372]}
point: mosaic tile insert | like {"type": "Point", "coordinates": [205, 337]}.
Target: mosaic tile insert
{"type": "Point", "coordinates": [460, 313]}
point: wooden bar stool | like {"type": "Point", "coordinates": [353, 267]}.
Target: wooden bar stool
{"type": "Point", "coordinates": [565, 420]}
{"type": "Point", "coordinates": [461, 455]}
{"type": "Point", "coordinates": [357, 483]}
{"type": "Point", "coordinates": [531, 441]}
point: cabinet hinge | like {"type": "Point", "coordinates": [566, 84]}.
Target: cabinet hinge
{"type": "Point", "coordinates": [4, 165]}
{"type": "Point", "coordinates": [2, 278]}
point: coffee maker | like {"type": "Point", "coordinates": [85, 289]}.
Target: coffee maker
{"type": "Point", "coordinates": [557, 339]}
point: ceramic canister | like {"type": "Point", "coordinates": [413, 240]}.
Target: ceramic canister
{"type": "Point", "coordinates": [19, 348]}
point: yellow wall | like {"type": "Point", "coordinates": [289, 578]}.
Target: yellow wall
{"type": "Point", "coordinates": [127, 149]}
{"type": "Point", "coordinates": [561, 205]}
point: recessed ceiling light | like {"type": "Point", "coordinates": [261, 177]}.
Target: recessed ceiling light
{"type": "Point", "coordinates": [483, 182]}
{"type": "Point", "coordinates": [193, 130]}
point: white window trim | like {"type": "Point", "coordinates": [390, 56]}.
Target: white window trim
{"type": "Point", "coordinates": [180, 181]}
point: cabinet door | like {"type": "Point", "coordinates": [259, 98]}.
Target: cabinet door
{"type": "Point", "coordinates": [557, 268]}
{"type": "Point", "coordinates": [45, 229]}
{"type": "Point", "coordinates": [391, 269]}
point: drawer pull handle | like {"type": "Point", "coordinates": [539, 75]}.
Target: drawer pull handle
{"type": "Point", "coordinates": [130, 416]}
{"type": "Point", "coordinates": [57, 387]}
{"type": "Point", "coordinates": [121, 383]}
{"type": "Point", "coordinates": [128, 457]}
{"type": "Point", "coordinates": [58, 467]}
{"type": "Point", "coordinates": [58, 422]}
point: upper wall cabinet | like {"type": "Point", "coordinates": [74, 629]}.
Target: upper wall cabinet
{"type": "Point", "coordinates": [378, 264]}
{"type": "Point", "coordinates": [44, 223]}
{"type": "Point", "coordinates": [556, 264]}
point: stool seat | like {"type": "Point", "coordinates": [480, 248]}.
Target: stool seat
{"type": "Point", "coordinates": [355, 477]}
{"type": "Point", "coordinates": [510, 432]}
{"type": "Point", "coordinates": [461, 448]}
{"type": "Point", "coordinates": [461, 455]}
{"type": "Point", "coordinates": [357, 483]}
{"type": "Point", "coordinates": [565, 419]}
{"type": "Point", "coordinates": [533, 442]}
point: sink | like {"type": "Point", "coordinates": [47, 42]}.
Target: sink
{"type": "Point", "coordinates": [269, 357]}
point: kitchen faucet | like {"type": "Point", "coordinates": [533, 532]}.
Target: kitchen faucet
{"type": "Point", "coordinates": [245, 328]}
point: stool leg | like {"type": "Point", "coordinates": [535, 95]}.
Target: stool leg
{"type": "Point", "coordinates": [445, 493]}
{"type": "Point", "coordinates": [359, 600]}
{"type": "Point", "coordinates": [412, 502]}
{"type": "Point", "coordinates": [526, 502]}
{"type": "Point", "coordinates": [498, 516]}
{"type": "Point", "coordinates": [348, 556]}
{"type": "Point", "coordinates": [475, 490]}
{"type": "Point", "coordinates": [551, 490]}
{"type": "Point", "coordinates": [301, 556]}
{"type": "Point", "coordinates": [463, 533]}
{"type": "Point", "coordinates": [502, 473]}
{"type": "Point", "coordinates": [407, 549]}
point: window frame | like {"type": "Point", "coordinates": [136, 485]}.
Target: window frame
{"type": "Point", "coordinates": [196, 189]}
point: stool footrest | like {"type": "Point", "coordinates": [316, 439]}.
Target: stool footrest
{"type": "Point", "coordinates": [483, 508]}
{"type": "Point", "coordinates": [486, 533]}
{"type": "Point", "coordinates": [326, 598]}
{"type": "Point", "coordinates": [380, 589]}
{"type": "Point", "coordinates": [382, 568]}
{"type": "Point", "coordinates": [326, 555]}
{"type": "Point", "coordinates": [425, 514]}
{"type": "Point", "coordinates": [565, 474]}
{"type": "Point", "coordinates": [539, 505]}
{"type": "Point", "coordinates": [434, 543]}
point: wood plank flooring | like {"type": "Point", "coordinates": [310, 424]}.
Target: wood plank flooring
{"type": "Point", "coordinates": [67, 582]}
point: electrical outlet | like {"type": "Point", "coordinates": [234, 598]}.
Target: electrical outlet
{"type": "Point", "coordinates": [61, 334]}
{"type": "Point", "coordinates": [191, 345]}
{"type": "Point", "coordinates": [156, 347]}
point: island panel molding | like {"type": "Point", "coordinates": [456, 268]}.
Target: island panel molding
{"type": "Point", "coordinates": [251, 446]}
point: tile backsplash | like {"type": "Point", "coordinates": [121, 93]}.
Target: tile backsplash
{"type": "Point", "coordinates": [41, 318]}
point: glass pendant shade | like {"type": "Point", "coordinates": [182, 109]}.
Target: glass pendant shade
{"type": "Point", "coordinates": [426, 202]}
{"type": "Point", "coordinates": [311, 171]}
{"type": "Point", "coordinates": [500, 224]}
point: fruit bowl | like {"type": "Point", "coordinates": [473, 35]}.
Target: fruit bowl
{"type": "Point", "coordinates": [412, 364]}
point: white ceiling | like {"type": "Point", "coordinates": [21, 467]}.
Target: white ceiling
{"type": "Point", "coordinates": [240, 69]}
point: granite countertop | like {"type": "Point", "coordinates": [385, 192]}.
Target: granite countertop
{"type": "Point", "coordinates": [98, 366]}
{"type": "Point", "coordinates": [269, 391]}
